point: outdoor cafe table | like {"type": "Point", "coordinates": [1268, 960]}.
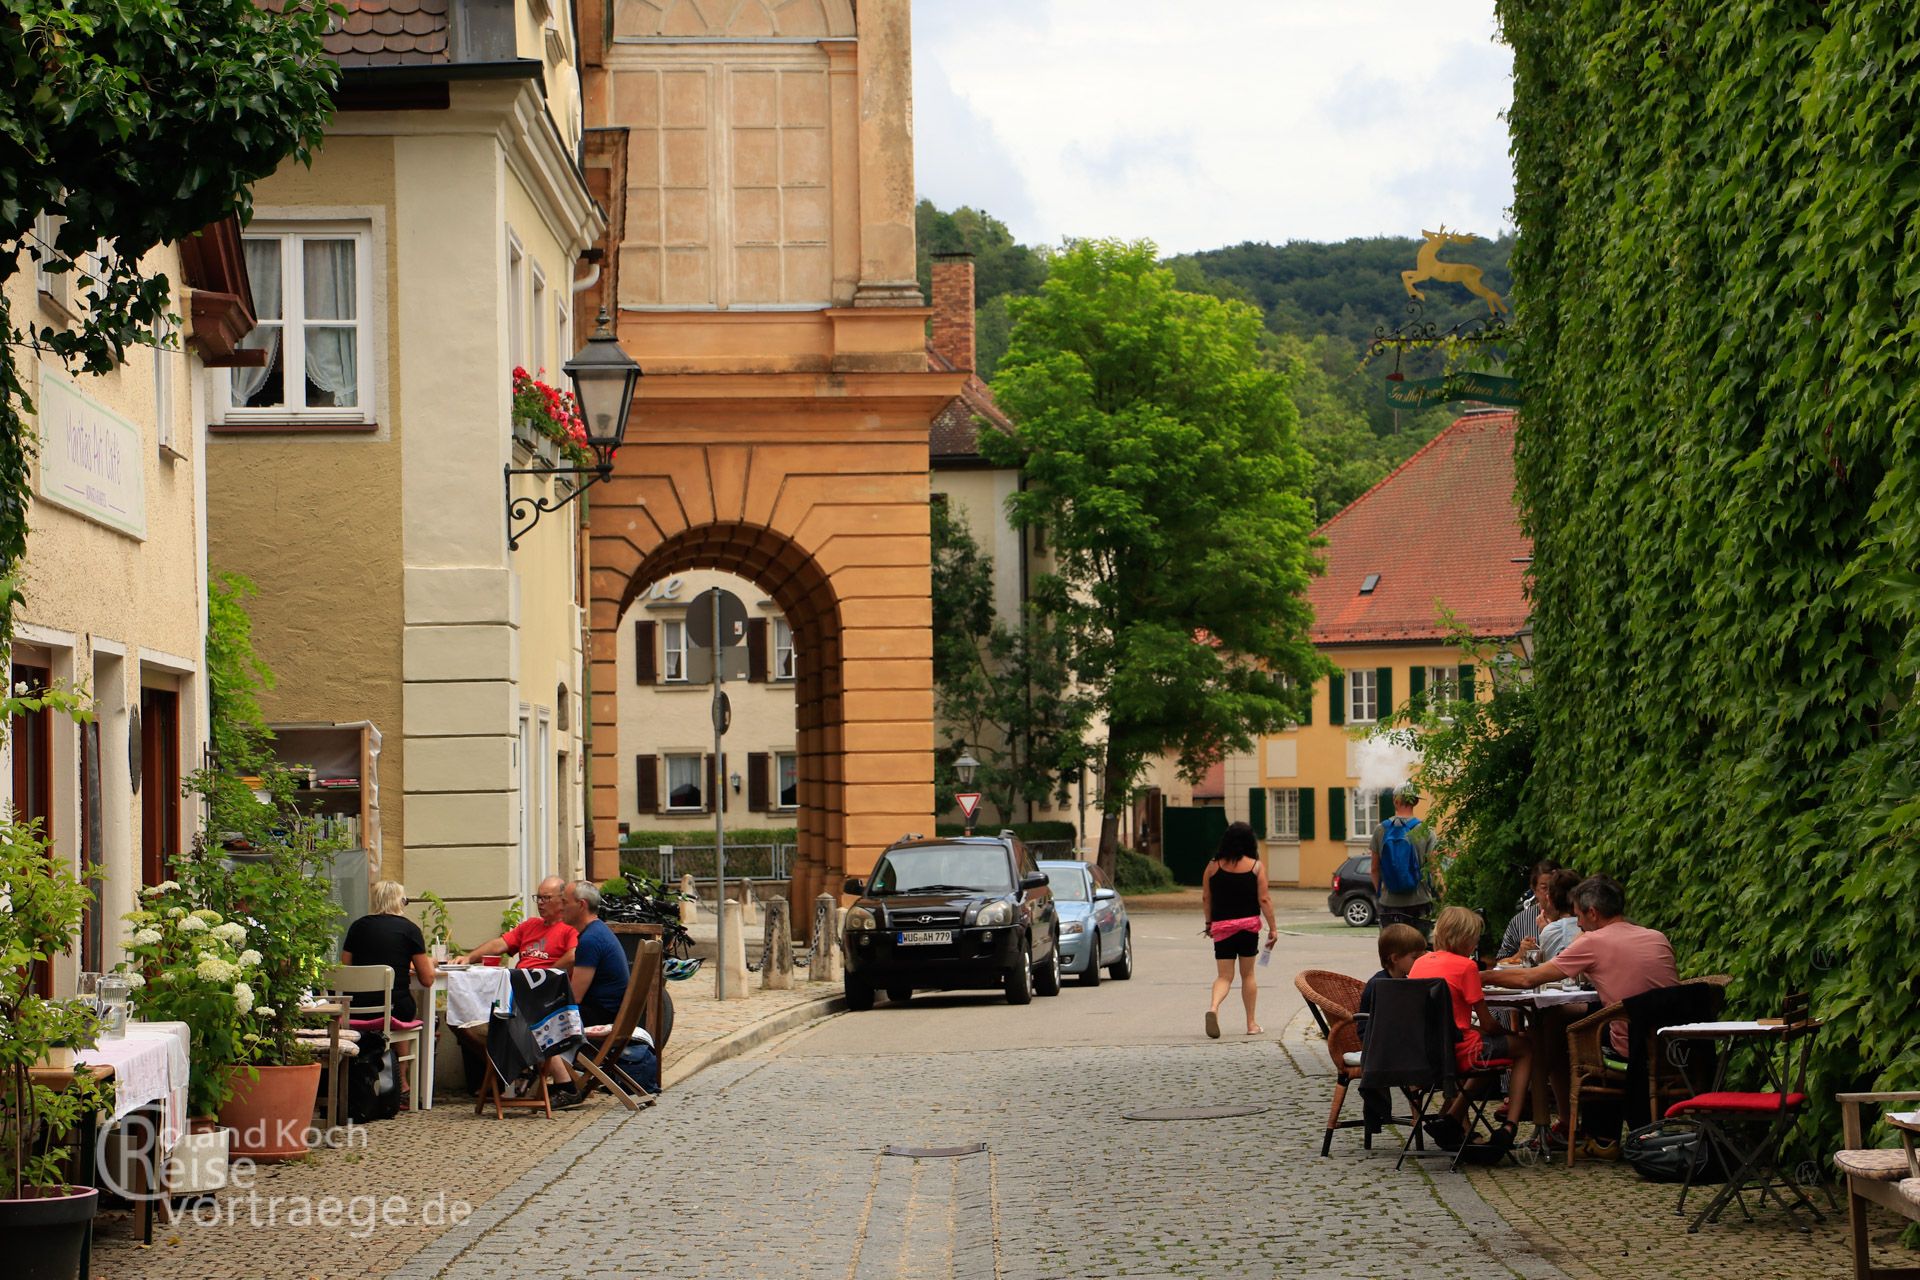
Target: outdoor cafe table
{"type": "Point", "coordinates": [1535, 1002]}
{"type": "Point", "coordinates": [471, 994]}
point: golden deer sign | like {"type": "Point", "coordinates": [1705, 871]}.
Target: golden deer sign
{"type": "Point", "coordinates": [1429, 267]}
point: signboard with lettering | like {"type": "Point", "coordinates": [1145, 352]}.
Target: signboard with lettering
{"type": "Point", "coordinates": [92, 460]}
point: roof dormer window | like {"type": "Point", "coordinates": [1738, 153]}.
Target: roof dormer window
{"type": "Point", "coordinates": [1368, 583]}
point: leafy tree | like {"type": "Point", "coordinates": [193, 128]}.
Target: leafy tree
{"type": "Point", "coordinates": [1007, 690]}
{"type": "Point", "coordinates": [1162, 457]}
{"type": "Point", "coordinates": [134, 124]}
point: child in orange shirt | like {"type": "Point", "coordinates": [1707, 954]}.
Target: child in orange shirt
{"type": "Point", "coordinates": [1456, 935]}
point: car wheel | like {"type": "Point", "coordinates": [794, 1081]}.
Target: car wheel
{"type": "Point", "coordinates": [1358, 911]}
{"type": "Point", "coordinates": [1122, 968]}
{"type": "Point", "coordinates": [859, 994]}
{"type": "Point", "coordinates": [1020, 980]}
{"type": "Point", "coordinates": [899, 995]}
{"type": "Point", "coordinates": [1047, 981]}
{"type": "Point", "coordinates": [1091, 976]}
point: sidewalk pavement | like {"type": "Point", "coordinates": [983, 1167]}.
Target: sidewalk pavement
{"type": "Point", "coordinates": [321, 1217]}
{"type": "Point", "coordinates": [1187, 898]}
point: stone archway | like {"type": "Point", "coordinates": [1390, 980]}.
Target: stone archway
{"type": "Point", "coordinates": [829, 517]}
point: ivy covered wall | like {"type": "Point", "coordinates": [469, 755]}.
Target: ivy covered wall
{"type": "Point", "coordinates": [1718, 277]}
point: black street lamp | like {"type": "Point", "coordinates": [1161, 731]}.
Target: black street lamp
{"type": "Point", "coordinates": [604, 378]}
{"type": "Point", "coordinates": [965, 766]}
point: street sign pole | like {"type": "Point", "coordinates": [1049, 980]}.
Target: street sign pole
{"type": "Point", "coordinates": [718, 798]}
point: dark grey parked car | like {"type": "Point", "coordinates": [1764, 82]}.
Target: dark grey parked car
{"type": "Point", "coordinates": [1353, 898]}
{"type": "Point", "coordinates": [952, 914]}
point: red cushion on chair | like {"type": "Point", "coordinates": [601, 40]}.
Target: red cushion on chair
{"type": "Point", "coordinates": [391, 1024]}
{"type": "Point", "coordinates": [1742, 1103]}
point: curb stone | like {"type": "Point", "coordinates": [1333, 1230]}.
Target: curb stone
{"type": "Point", "coordinates": [751, 1036]}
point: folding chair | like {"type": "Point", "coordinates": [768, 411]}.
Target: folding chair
{"type": "Point", "coordinates": [1410, 1046]}
{"type": "Point", "coordinates": [602, 1067]}
{"type": "Point", "coordinates": [348, 980]}
{"type": "Point", "coordinates": [1768, 1114]}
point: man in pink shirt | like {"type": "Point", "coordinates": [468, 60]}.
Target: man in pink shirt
{"type": "Point", "coordinates": [1619, 958]}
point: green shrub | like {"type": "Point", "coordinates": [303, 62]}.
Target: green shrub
{"type": "Point", "coordinates": [1136, 873]}
{"type": "Point", "coordinates": [703, 837]}
{"type": "Point", "coordinates": [1024, 830]}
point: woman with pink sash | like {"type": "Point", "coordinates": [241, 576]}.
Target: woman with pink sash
{"type": "Point", "coordinates": [1233, 895]}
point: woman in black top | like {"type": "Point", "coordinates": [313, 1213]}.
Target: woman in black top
{"type": "Point", "coordinates": [387, 937]}
{"type": "Point", "coordinates": [1233, 895]}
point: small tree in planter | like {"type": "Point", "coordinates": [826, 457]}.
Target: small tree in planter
{"type": "Point", "coordinates": [40, 908]}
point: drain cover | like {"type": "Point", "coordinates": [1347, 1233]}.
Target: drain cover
{"type": "Point", "coordinates": [1191, 1113]}
{"type": "Point", "coordinates": [936, 1153]}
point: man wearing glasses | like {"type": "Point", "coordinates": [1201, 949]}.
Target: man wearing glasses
{"type": "Point", "coordinates": [543, 941]}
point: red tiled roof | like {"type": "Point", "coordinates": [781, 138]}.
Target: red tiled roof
{"type": "Point", "coordinates": [954, 434]}
{"type": "Point", "coordinates": [390, 32]}
{"type": "Point", "coordinates": [1442, 528]}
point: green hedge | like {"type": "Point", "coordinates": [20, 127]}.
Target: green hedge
{"type": "Point", "coordinates": [1136, 873]}
{"type": "Point", "coordinates": [1024, 830]}
{"type": "Point", "coordinates": [703, 837]}
{"type": "Point", "coordinates": [1717, 276]}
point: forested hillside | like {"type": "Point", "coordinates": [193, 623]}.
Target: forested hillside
{"type": "Point", "coordinates": [1322, 303]}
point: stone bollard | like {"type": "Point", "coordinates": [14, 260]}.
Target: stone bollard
{"type": "Point", "coordinates": [733, 960]}
{"type": "Point", "coordinates": [749, 905]}
{"type": "Point", "coordinates": [690, 908]}
{"type": "Point", "coordinates": [826, 940]}
{"type": "Point", "coordinates": [776, 971]}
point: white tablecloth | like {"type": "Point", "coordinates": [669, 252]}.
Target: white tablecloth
{"type": "Point", "coordinates": [1538, 999]}
{"type": "Point", "coordinates": [472, 993]}
{"type": "Point", "coordinates": [150, 1065]}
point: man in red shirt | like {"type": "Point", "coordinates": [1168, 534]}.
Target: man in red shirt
{"type": "Point", "coordinates": [543, 941]}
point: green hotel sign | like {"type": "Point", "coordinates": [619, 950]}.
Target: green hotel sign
{"type": "Point", "coordinates": [1417, 393]}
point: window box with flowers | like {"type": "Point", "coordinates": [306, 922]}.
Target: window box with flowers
{"type": "Point", "coordinates": [548, 421]}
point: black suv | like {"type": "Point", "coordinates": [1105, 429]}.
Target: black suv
{"type": "Point", "coordinates": [950, 914]}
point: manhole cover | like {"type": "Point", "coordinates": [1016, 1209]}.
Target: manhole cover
{"type": "Point", "coordinates": [936, 1153]}
{"type": "Point", "coordinates": [1191, 1113]}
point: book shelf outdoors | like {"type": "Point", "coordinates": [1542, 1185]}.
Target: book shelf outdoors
{"type": "Point", "coordinates": [341, 786]}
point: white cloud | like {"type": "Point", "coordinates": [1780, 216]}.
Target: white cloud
{"type": "Point", "coordinates": [1205, 124]}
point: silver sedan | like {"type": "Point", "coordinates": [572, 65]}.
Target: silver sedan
{"type": "Point", "coordinates": [1094, 932]}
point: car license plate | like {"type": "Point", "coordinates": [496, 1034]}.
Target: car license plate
{"type": "Point", "coordinates": [924, 937]}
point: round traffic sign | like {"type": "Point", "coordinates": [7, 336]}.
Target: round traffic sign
{"type": "Point", "coordinates": [733, 619]}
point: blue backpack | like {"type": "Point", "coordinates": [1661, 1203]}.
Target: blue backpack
{"type": "Point", "coordinates": [1399, 859]}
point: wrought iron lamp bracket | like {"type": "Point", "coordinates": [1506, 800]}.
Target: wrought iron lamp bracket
{"type": "Point", "coordinates": [1414, 332]}
{"type": "Point", "coordinates": [530, 507]}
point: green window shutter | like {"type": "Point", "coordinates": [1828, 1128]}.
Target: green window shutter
{"type": "Point", "coordinates": [1336, 813]}
{"type": "Point", "coordinates": [1466, 682]}
{"type": "Point", "coordinates": [1306, 813]}
{"type": "Point", "coordinates": [1306, 717]}
{"type": "Point", "coordinates": [1336, 698]}
{"type": "Point", "coordinates": [1383, 678]}
{"type": "Point", "coordinates": [1416, 686]}
{"type": "Point", "coordinates": [1385, 805]}
{"type": "Point", "coordinates": [1257, 810]}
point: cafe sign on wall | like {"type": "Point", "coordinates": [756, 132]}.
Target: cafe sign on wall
{"type": "Point", "coordinates": [92, 460]}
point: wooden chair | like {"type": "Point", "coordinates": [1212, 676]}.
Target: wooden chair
{"type": "Point", "coordinates": [639, 1007]}
{"type": "Point", "coordinates": [1591, 1075]}
{"type": "Point", "coordinates": [1335, 999]}
{"type": "Point", "coordinates": [335, 1045]}
{"type": "Point", "coordinates": [1886, 1176]}
{"type": "Point", "coordinates": [348, 980]}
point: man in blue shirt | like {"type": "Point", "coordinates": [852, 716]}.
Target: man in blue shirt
{"type": "Point", "coordinates": [600, 968]}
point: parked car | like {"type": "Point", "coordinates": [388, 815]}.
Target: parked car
{"type": "Point", "coordinates": [952, 914]}
{"type": "Point", "coordinates": [1353, 898]}
{"type": "Point", "coordinates": [1095, 933]}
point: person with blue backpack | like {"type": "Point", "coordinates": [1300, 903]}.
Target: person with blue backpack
{"type": "Point", "coordinates": [1402, 848]}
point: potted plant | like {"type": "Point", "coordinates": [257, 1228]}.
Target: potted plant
{"type": "Point", "coordinates": [434, 923]}
{"type": "Point", "coordinates": [44, 1219]}
{"type": "Point", "coordinates": [553, 426]}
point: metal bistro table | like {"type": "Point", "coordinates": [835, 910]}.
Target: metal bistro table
{"type": "Point", "coordinates": [1535, 1003]}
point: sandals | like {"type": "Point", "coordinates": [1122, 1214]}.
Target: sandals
{"type": "Point", "coordinates": [1213, 1025]}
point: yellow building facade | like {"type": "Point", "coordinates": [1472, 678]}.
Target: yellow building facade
{"type": "Point", "coordinates": [430, 250]}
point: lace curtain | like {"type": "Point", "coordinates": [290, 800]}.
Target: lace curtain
{"type": "Point", "coordinates": [332, 359]}
{"type": "Point", "coordinates": [263, 273]}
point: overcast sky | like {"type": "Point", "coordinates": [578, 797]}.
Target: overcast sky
{"type": "Point", "coordinates": [1203, 123]}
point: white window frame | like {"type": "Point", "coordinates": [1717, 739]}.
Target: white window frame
{"type": "Point", "coordinates": [563, 332]}
{"type": "Point", "coordinates": [1363, 710]}
{"type": "Point", "coordinates": [791, 760]}
{"type": "Point", "coordinates": [1443, 689]}
{"type": "Point", "coordinates": [699, 780]}
{"type": "Point", "coordinates": [538, 313]}
{"type": "Point", "coordinates": [517, 305]}
{"type": "Point", "coordinates": [54, 287]}
{"type": "Point", "coordinates": [1283, 813]}
{"type": "Point", "coordinates": [673, 651]}
{"type": "Point", "coordinates": [164, 337]}
{"type": "Point", "coordinates": [293, 344]}
{"type": "Point", "coordinates": [782, 668]}
{"type": "Point", "coordinates": [1363, 814]}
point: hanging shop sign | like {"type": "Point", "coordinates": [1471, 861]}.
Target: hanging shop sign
{"type": "Point", "coordinates": [92, 460]}
{"type": "Point", "coordinates": [1488, 388]}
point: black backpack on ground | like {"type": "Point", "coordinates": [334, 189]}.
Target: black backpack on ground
{"type": "Point", "coordinates": [373, 1081]}
{"type": "Point", "coordinates": [1666, 1150]}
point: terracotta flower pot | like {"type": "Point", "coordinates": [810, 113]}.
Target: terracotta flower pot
{"type": "Point", "coordinates": [271, 1116]}
{"type": "Point", "coordinates": [47, 1235]}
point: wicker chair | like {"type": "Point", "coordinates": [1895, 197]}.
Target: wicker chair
{"type": "Point", "coordinates": [1334, 999]}
{"type": "Point", "coordinates": [1589, 1074]}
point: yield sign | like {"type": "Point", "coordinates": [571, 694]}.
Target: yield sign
{"type": "Point", "coordinates": [969, 802]}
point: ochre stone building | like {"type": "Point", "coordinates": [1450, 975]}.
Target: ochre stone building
{"type": "Point", "coordinates": [755, 158]}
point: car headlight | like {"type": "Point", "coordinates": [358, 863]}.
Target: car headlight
{"type": "Point", "coordinates": [860, 918]}
{"type": "Point", "coordinates": [1070, 927]}
{"type": "Point", "coordinates": [994, 913]}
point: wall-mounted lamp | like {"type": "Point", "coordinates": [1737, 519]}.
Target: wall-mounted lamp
{"type": "Point", "coordinates": [734, 779]}
{"type": "Point", "coordinates": [604, 378]}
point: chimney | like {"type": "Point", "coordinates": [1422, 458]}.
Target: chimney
{"type": "Point", "coordinates": [953, 308]}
